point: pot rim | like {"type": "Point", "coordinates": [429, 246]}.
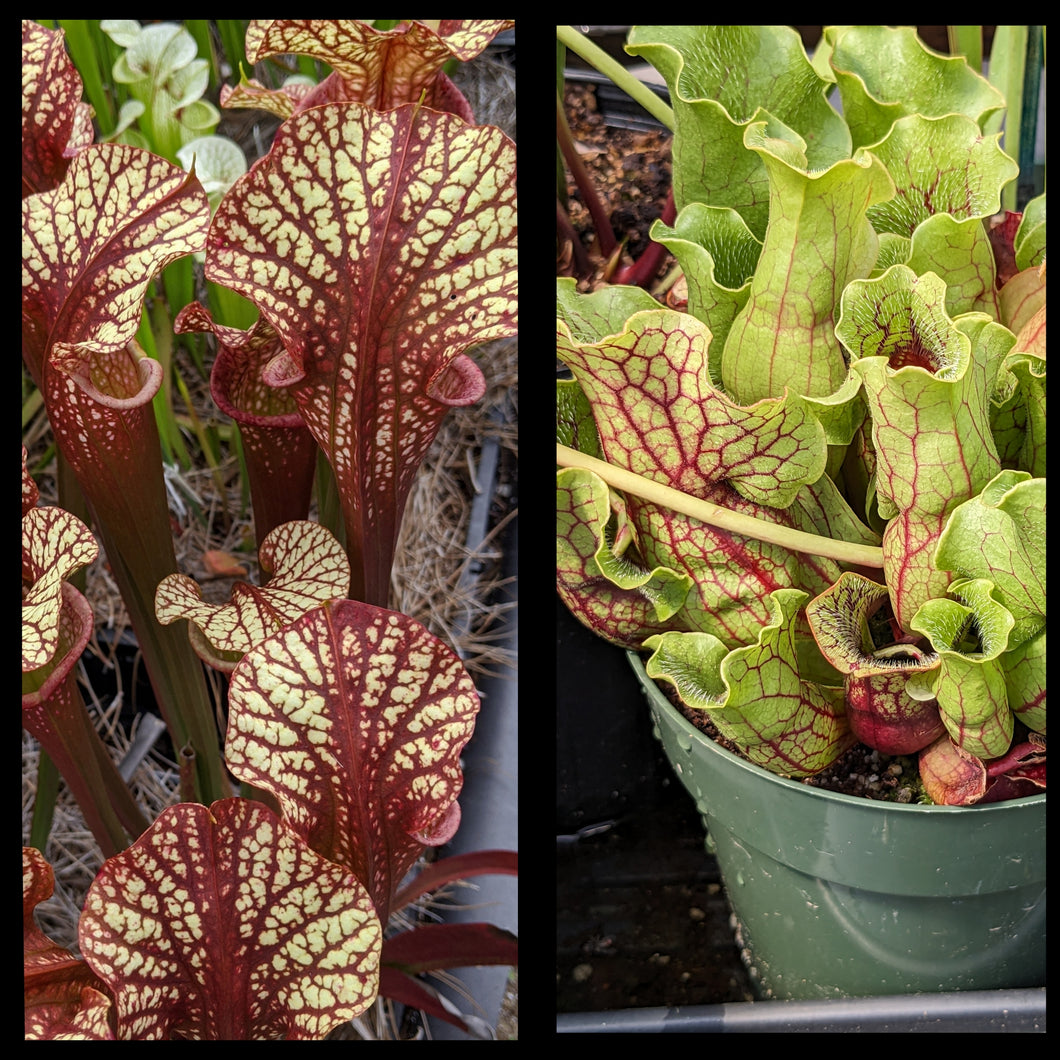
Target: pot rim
{"type": "Point", "coordinates": [658, 700]}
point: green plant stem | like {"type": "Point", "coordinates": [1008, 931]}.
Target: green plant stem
{"type": "Point", "coordinates": [329, 506]}
{"type": "Point", "coordinates": [44, 803]}
{"type": "Point", "coordinates": [73, 500]}
{"type": "Point", "coordinates": [155, 338]}
{"type": "Point", "coordinates": [199, 28]}
{"type": "Point", "coordinates": [232, 32]}
{"type": "Point", "coordinates": [175, 671]}
{"type": "Point", "coordinates": [1008, 60]}
{"type": "Point", "coordinates": [664, 285]}
{"type": "Point", "coordinates": [723, 518]}
{"type": "Point", "coordinates": [600, 60]}
{"type": "Point", "coordinates": [230, 307]}
{"type": "Point", "coordinates": [200, 433]}
{"type": "Point", "coordinates": [967, 41]}
{"type": "Point", "coordinates": [235, 441]}
{"type": "Point", "coordinates": [31, 406]}
{"type": "Point", "coordinates": [94, 54]}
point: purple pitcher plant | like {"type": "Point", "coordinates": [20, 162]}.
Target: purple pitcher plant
{"type": "Point", "coordinates": [814, 495]}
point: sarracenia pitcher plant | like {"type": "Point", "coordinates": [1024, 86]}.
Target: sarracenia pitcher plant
{"type": "Point", "coordinates": [815, 493]}
{"type": "Point", "coordinates": [377, 240]}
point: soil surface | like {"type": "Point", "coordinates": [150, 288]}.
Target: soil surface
{"type": "Point", "coordinates": [631, 171]}
{"type": "Point", "coordinates": [861, 771]}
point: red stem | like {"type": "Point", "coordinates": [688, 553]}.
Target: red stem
{"type": "Point", "coordinates": [566, 232]}
{"type": "Point", "coordinates": [1014, 757]}
{"type": "Point", "coordinates": [604, 233]}
{"type": "Point", "coordinates": [643, 270]}
{"type": "Point", "coordinates": [55, 716]}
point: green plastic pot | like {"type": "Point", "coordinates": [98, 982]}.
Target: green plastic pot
{"type": "Point", "coordinates": [836, 896]}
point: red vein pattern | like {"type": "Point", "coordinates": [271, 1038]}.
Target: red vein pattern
{"type": "Point", "coordinates": [55, 123]}
{"type": "Point", "coordinates": [382, 68]}
{"type": "Point", "coordinates": [280, 452]}
{"type": "Point", "coordinates": [354, 718]}
{"type": "Point", "coordinates": [308, 568]}
{"type": "Point", "coordinates": [63, 997]}
{"type": "Point", "coordinates": [380, 246]}
{"type": "Point", "coordinates": [221, 924]}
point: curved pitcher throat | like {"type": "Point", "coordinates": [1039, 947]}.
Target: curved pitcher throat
{"type": "Point", "coordinates": [818, 240]}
